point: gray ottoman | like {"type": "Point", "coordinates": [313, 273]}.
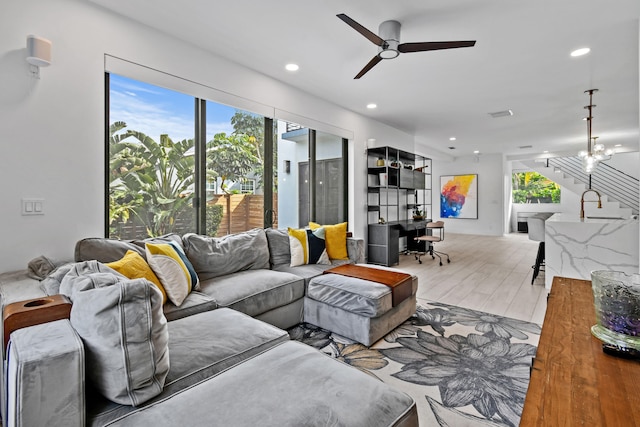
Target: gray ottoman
{"type": "Point", "coordinates": [355, 308]}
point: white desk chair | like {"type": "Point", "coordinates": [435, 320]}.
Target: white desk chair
{"type": "Point", "coordinates": [437, 235]}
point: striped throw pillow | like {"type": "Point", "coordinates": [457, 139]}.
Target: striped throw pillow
{"type": "Point", "coordinates": [171, 265]}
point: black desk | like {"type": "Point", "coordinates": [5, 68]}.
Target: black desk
{"type": "Point", "coordinates": [383, 245]}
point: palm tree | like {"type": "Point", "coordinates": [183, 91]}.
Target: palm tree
{"type": "Point", "coordinates": [153, 177]}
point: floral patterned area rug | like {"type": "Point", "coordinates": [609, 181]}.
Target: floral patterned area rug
{"type": "Point", "coordinates": [464, 368]}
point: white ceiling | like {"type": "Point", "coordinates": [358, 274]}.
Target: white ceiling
{"type": "Point", "coordinates": [520, 62]}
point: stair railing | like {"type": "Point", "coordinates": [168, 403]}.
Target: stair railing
{"type": "Point", "coordinates": [617, 185]}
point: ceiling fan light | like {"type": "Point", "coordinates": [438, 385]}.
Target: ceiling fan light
{"type": "Point", "coordinates": [599, 147]}
{"type": "Point", "coordinates": [583, 154]}
{"type": "Point", "coordinates": [388, 53]}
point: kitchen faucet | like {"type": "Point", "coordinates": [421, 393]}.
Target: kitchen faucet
{"type": "Point", "coordinates": [582, 201]}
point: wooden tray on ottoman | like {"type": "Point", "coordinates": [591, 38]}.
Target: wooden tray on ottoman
{"type": "Point", "coordinates": [400, 283]}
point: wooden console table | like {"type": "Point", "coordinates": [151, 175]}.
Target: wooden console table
{"type": "Point", "coordinates": [573, 383]}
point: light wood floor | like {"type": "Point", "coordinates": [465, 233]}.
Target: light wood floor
{"type": "Point", "coordinates": [486, 273]}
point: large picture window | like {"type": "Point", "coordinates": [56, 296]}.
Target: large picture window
{"type": "Point", "coordinates": [151, 160]}
{"type": "Point", "coordinates": [178, 163]}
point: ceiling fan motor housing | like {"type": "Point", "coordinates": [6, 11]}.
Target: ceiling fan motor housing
{"type": "Point", "coordinates": [389, 31]}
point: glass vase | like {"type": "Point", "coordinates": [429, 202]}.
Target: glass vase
{"type": "Point", "coordinates": [616, 297]}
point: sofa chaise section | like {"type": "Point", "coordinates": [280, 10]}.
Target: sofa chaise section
{"type": "Point", "coordinates": [289, 385]}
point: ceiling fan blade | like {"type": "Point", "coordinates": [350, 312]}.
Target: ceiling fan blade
{"type": "Point", "coordinates": [374, 38]}
{"type": "Point", "coordinates": [369, 66]}
{"type": "Point", "coordinates": [425, 46]}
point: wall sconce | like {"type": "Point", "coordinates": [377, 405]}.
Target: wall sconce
{"type": "Point", "coordinates": [287, 166]}
{"type": "Point", "coordinates": [38, 53]}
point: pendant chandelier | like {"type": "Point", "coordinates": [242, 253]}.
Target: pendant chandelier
{"type": "Point", "coordinates": [596, 152]}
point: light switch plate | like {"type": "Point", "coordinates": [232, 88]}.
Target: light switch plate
{"type": "Point", "coordinates": [32, 206]}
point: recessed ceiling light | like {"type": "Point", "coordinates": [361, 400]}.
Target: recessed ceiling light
{"type": "Point", "coordinates": [476, 152]}
{"type": "Point", "coordinates": [292, 67]}
{"type": "Point", "coordinates": [618, 145]}
{"type": "Point", "coordinates": [545, 151]}
{"type": "Point", "coordinates": [581, 51]}
{"type": "Point", "coordinates": [372, 106]}
{"type": "Point", "coordinates": [503, 113]}
{"type": "Point", "coordinates": [453, 138]}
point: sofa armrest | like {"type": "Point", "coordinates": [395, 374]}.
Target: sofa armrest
{"type": "Point", "coordinates": [355, 250]}
{"type": "Point", "coordinates": [45, 377]}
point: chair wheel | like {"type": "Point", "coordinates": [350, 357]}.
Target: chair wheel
{"type": "Point", "coordinates": [440, 263]}
{"type": "Point", "coordinates": [448, 261]}
{"type": "Point", "coordinates": [420, 261]}
{"type": "Point", "coordinates": [416, 256]}
{"type": "Point", "coordinates": [432, 257]}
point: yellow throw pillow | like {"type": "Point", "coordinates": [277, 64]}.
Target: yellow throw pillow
{"type": "Point", "coordinates": [336, 239]}
{"type": "Point", "coordinates": [133, 266]}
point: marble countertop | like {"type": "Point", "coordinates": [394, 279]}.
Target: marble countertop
{"type": "Point", "coordinates": [574, 247]}
{"type": "Point", "coordinates": [566, 217]}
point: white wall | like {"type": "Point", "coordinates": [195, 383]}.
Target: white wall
{"type": "Point", "coordinates": [490, 193]}
{"type": "Point", "coordinates": [627, 163]}
{"type": "Point", "coordinates": [53, 128]}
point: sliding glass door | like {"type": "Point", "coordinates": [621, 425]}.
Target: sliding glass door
{"type": "Point", "coordinates": [311, 178]}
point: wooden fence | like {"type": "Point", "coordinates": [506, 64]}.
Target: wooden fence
{"type": "Point", "coordinates": [240, 212]}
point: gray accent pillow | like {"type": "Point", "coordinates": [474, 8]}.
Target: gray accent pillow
{"type": "Point", "coordinates": [124, 332]}
{"type": "Point", "coordinates": [214, 257]}
{"type": "Point", "coordinates": [110, 250]}
{"type": "Point", "coordinates": [104, 250]}
{"type": "Point", "coordinates": [279, 246]}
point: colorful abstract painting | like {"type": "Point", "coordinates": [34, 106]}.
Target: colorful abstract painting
{"type": "Point", "coordinates": [459, 196]}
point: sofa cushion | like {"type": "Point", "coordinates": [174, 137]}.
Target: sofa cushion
{"type": "Point", "coordinates": [133, 266]}
{"type": "Point", "coordinates": [307, 272]}
{"type": "Point", "coordinates": [336, 239]}
{"type": "Point", "coordinates": [290, 385]}
{"type": "Point", "coordinates": [279, 249]}
{"type": "Point", "coordinates": [215, 257]}
{"type": "Point", "coordinates": [254, 291]}
{"type": "Point", "coordinates": [104, 250]}
{"type": "Point", "coordinates": [200, 347]}
{"type": "Point", "coordinates": [109, 250]}
{"type": "Point", "coordinates": [307, 247]}
{"type": "Point", "coordinates": [124, 333]}
{"type": "Point", "coordinates": [196, 302]}
{"type": "Point", "coordinates": [174, 270]}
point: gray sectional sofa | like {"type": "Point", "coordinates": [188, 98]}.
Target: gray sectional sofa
{"type": "Point", "coordinates": [221, 358]}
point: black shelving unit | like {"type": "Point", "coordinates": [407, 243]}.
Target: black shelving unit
{"type": "Point", "coordinates": [398, 183]}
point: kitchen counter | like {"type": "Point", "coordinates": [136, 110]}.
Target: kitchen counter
{"type": "Point", "coordinates": [575, 247]}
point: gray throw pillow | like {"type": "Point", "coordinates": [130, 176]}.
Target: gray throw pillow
{"type": "Point", "coordinates": [214, 257]}
{"type": "Point", "coordinates": [104, 250]}
{"type": "Point", "coordinates": [110, 250]}
{"type": "Point", "coordinates": [279, 247]}
{"type": "Point", "coordinates": [124, 332]}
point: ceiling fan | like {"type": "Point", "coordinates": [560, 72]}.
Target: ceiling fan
{"type": "Point", "coordinates": [389, 42]}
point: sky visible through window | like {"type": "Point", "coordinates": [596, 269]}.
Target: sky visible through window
{"type": "Point", "coordinates": [154, 110]}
